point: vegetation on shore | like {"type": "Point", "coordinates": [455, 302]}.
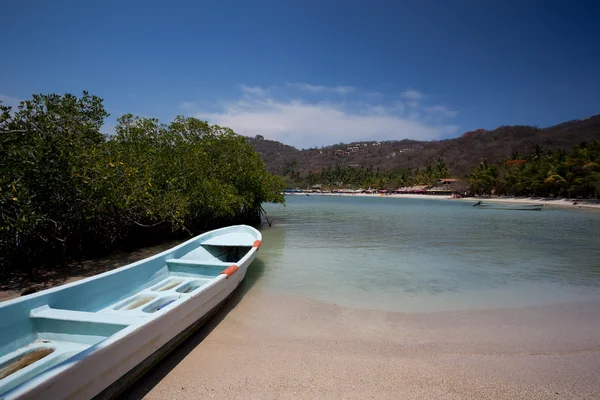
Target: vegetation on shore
{"type": "Point", "coordinates": [360, 177]}
{"type": "Point", "coordinates": [542, 173]}
{"type": "Point", "coordinates": [66, 189]}
{"type": "Point", "coordinates": [514, 160]}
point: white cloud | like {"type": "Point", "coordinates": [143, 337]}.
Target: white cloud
{"type": "Point", "coordinates": [412, 95]}
{"type": "Point", "coordinates": [441, 111]}
{"type": "Point", "coordinates": [304, 124]}
{"type": "Point", "coordinates": [253, 90]}
{"type": "Point", "coordinates": [10, 101]}
{"type": "Point", "coordinates": [322, 88]}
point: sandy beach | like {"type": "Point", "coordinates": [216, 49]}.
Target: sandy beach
{"type": "Point", "coordinates": [569, 203]}
{"type": "Point", "coordinates": [559, 202]}
{"type": "Point", "coordinates": [267, 346]}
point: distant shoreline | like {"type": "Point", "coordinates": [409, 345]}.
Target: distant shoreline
{"type": "Point", "coordinates": [559, 202]}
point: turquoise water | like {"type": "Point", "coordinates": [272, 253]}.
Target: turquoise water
{"type": "Point", "coordinates": [428, 255]}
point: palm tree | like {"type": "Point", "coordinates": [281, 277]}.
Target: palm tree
{"type": "Point", "coordinates": [442, 170]}
{"type": "Point", "coordinates": [484, 178]}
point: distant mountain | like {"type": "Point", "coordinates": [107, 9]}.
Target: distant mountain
{"type": "Point", "coordinates": [460, 154]}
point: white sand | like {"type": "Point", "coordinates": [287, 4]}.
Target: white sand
{"type": "Point", "coordinates": [273, 346]}
{"type": "Point", "coordinates": [581, 203]}
{"type": "Point", "coordinates": [541, 200]}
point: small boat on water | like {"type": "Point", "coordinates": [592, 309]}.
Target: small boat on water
{"type": "Point", "coordinates": [94, 337]}
{"type": "Point", "coordinates": [508, 206]}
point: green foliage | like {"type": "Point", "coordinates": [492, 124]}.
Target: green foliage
{"type": "Point", "coordinates": [484, 178]}
{"type": "Point", "coordinates": [67, 189]}
{"type": "Point", "coordinates": [543, 173]}
{"type": "Point", "coordinates": [369, 177]}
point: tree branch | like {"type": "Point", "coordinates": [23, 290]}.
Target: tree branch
{"type": "Point", "coordinates": [147, 226]}
{"type": "Point", "coordinates": [269, 221]}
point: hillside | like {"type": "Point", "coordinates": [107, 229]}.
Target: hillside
{"type": "Point", "coordinates": [460, 154]}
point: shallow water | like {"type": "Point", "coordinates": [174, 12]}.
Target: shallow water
{"type": "Point", "coordinates": [428, 255]}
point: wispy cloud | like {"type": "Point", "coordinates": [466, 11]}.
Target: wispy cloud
{"type": "Point", "coordinates": [9, 101]}
{"type": "Point", "coordinates": [441, 111]}
{"type": "Point", "coordinates": [253, 90]}
{"type": "Point", "coordinates": [412, 94]}
{"type": "Point", "coordinates": [322, 88]}
{"type": "Point", "coordinates": [298, 121]}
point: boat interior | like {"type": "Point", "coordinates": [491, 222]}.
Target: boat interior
{"type": "Point", "coordinates": [46, 330]}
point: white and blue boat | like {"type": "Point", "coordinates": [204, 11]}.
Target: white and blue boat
{"type": "Point", "coordinates": [508, 206]}
{"type": "Point", "coordinates": [94, 337]}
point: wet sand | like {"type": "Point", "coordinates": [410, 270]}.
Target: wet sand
{"type": "Point", "coordinates": [266, 346]}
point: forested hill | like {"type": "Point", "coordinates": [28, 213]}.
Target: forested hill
{"type": "Point", "coordinates": [460, 154]}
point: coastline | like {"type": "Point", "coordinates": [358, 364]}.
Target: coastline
{"type": "Point", "coordinates": [559, 202]}
{"type": "Point", "coordinates": [265, 345]}
{"type": "Point", "coordinates": [281, 346]}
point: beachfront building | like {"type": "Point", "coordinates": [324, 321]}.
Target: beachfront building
{"type": "Point", "coordinates": [417, 189]}
{"type": "Point", "coordinates": [452, 185]}
{"type": "Point", "coordinates": [447, 186]}
{"type": "Point", "coordinates": [440, 190]}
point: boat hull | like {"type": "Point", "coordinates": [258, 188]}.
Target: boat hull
{"type": "Point", "coordinates": [125, 381]}
{"type": "Point", "coordinates": [508, 206]}
{"type": "Point", "coordinates": [107, 367]}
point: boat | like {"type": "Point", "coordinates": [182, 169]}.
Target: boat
{"type": "Point", "coordinates": [508, 206]}
{"type": "Point", "coordinates": [94, 337]}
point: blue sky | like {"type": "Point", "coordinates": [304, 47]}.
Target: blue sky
{"type": "Point", "coordinates": [313, 73]}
